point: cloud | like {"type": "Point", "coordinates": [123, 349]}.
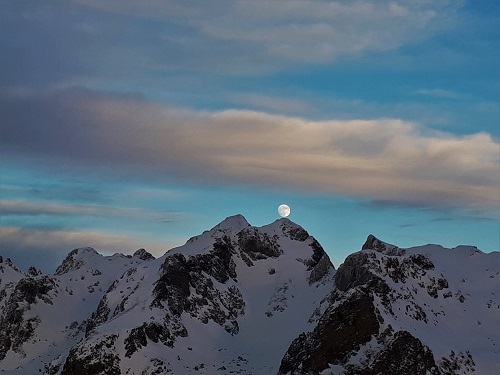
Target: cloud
{"type": "Point", "coordinates": [440, 93]}
{"type": "Point", "coordinates": [322, 31]}
{"type": "Point", "coordinates": [73, 191]}
{"type": "Point", "coordinates": [35, 208]}
{"type": "Point", "coordinates": [342, 26]}
{"type": "Point", "coordinates": [379, 159]}
{"type": "Point", "coordinates": [272, 103]}
{"type": "Point", "coordinates": [47, 248]}
{"type": "Point", "coordinates": [84, 41]}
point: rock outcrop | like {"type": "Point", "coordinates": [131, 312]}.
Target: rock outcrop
{"type": "Point", "coordinates": [254, 300]}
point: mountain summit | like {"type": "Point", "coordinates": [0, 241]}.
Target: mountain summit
{"type": "Point", "coordinates": [254, 300]}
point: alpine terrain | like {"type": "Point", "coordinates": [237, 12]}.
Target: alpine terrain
{"type": "Point", "coordinates": [239, 299]}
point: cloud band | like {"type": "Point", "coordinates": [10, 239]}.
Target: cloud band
{"type": "Point", "coordinates": [380, 159]}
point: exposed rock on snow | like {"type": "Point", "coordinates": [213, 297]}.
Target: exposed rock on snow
{"type": "Point", "coordinates": [392, 312]}
{"type": "Point", "coordinates": [143, 255]}
{"type": "Point", "coordinates": [254, 300]}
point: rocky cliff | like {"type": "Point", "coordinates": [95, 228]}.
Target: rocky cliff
{"type": "Point", "coordinates": [254, 300]}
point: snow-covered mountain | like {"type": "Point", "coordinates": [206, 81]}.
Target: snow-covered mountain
{"type": "Point", "coordinates": [240, 299]}
{"type": "Point", "coordinates": [423, 310]}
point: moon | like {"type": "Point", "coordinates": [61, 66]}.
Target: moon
{"type": "Point", "coordinates": [284, 210]}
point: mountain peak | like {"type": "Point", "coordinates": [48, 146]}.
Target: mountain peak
{"type": "Point", "coordinates": [83, 250]}
{"type": "Point", "coordinates": [286, 222]}
{"type": "Point", "coordinates": [74, 259]}
{"type": "Point", "coordinates": [143, 255]}
{"type": "Point", "coordinates": [8, 262]}
{"type": "Point", "coordinates": [235, 222]}
{"type": "Point", "coordinates": [240, 298]}
{"type": "Point", "coordinates": [373, 243]}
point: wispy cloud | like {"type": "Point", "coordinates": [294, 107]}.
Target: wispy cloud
{"type": "Point", "coordinates": [323, 31]}
{"type": "Point", "coordinates": [379, 159]}
{"type": "Point", "coordinates": [440, 93]}
{"type": "Point", "coordinates": [47, 248]}
{"type": "Point", "coordinates": [231, 36]}
{"type": "Point", "coordinates": [273, 104]}
{"type": "Point", "coordinates": [35, 208]}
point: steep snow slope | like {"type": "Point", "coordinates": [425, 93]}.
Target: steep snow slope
{"type": "Point", "coordinates": [255, 300]}
{"type": "Point", "coordinates": [462, 305]}
{"type": "Point", "coordinates": [423, 310]}
{"type": "Point", "coordinates": [231, 299]}
{"type": "Point", "coordinates": [227, 300]}
{"type": "Point", "coordinates": [42, 316]}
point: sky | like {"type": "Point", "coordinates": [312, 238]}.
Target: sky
{"type": "Point", "coordinates": [129, 124]}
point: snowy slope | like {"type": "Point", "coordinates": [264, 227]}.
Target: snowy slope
{"type": "Point", "coordinates": [244, 288]}
{"type": "Point", "coordinates": [255, 300]}
{"type": "Point", "coordinates": [423, 310]}
{"type": "Point", "coordinates": [461, 302]}
{"type": "Point", "coordinates": [231, 299]}
{"type": "Point", "coordinates": [43, 316]}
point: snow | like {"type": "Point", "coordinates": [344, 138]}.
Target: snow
{"type": "Point", "coordinates": [280, 303]}
{"type": "Point", "coordinates": [468, 325]}
{"type": "Point", "coordinates": [76, 297]}
{"type": "Point", "coordinates": [274, 302]}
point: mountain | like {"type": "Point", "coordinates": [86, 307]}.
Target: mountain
{"type": "Point", "coordinates": [423, 310]}
{"type": "Point", "coordinates": [240, 299]}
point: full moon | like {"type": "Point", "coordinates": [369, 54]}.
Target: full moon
{"type": "Point", "coordinates": [284, 210]}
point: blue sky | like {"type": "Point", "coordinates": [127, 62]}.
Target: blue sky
{"type": "Point", "coordinates": [129, 124]}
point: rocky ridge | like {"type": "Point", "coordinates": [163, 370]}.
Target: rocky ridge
{"type": "Point", "coordinates": [392, 312]}
{"type": "Point", "coordinates": [195, 309]}
{"type": "Point", "coordinates": [239, 299]}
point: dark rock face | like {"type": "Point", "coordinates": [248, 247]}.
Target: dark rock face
{"type": "Point", "coordinates": [414, 266]}
{"type": "Point", "coordinates": [173, 285]}
{"type": "Point", "coordinates": [457, 363]}
{"type": "Point", "coordinates": [143, 255]}
{"type": "Point", "coordinates": [71, 263]}
{"type": "Point", "coordinates": [319, 263]}
{"type": "Point", "coordinates": [8, 263]}
{"type": "Point", "coordinates": [257, 245]}
{"type": "Point", "coordinates": [318, 253]}
{"type": "Point", "coordinates": [341, 329]}
{"type": "Point", "coordinates": [99, 316]}
{"type": "Point", "coordinates": [15, 329]}
{"type": "Point", "coordinates": [33, 272]}
{"type": "Point", "coordinates": [181, 275]}
{"type": "Point", "coordinates": [186, 286]}
{"type": "Point", "coordinates": [30, 289]}
{"type": "Point", "coordinates": [404, 354]}
{"type": "Point", "coordinates": [373, 243]}
{"type": "Point", "coordinates": [99, 359]}
{"type": "Point", "coordinates": [354, 272]}
{"type": "Point", "coordinates": [219, 262]}
{"type": "Point", "coordinates": [155, 332]}
{"type": "Point", "coordinates": [320, 269]}
{"type": "Point", "coordinates": [367, 323]}
{"type": "Point", "coordinates": [297, 233]}
{"type": "Point", "coordinates": [353, 320]}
